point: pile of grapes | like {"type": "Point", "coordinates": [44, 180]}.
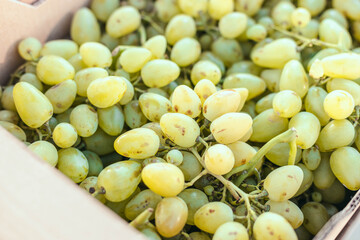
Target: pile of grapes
{"type": "Point", "coordinates": [199, 119]}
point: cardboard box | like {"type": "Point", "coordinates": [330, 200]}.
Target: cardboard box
{"type": "Point", "coordinates": [37, 201]}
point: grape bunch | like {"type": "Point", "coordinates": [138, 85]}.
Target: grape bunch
{"type": "Point", "coordinates": [200, 119]}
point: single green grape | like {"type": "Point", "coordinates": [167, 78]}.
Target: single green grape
{"type": "Point", "coordinates": [154, 106]}
{"type": "Point", "coordinates": [111, 119]}
{"type": "Point", "coordinates": [142, 200]}
{"type": "Point", "coordinates": [179, 27]}
{"type": "Point", "coordinates": [255, 85]}
{"type": "Point", "coordinates": [73, 164]}
{"type": "Point", "coordinates": [175, 157]}
{"type": "Point", "coordinates": [9, 116]}
{"type": "Point", "coordinates": [64, 135]}
{"type": "Point", "coordinates": [116, 26]}
{"type": "Point", "coordinates": [315, 216]}
{"type": "Point", "coordinates": [95, 163]}
{"type": "Point", "coordinates": [183, 57]}
{"type": "Point", "coordinates": [289, 210]}
{"type": "Point", "coordinates": [323, 175]}
{"type": "Point", "coordinates": [32, 79]}
{"type": "Point", "coordinates": [103, 9]}
{"type": "Point", "coordinates": [84, 77]}
{"type": "Point", "coordinates": [219, 159]}
{"type": "Point", "coordinates": [29, 49]}
{"type": "Point", "coordinates": [134, 117]}
{"type": "Point", "coordinates": [190, 166]}
{"type": "Point", "coordinates": [46, 151]}
{"type": "Point", "coordinates": [62, 95]}
{"type": "Point", "coordinates": [84, 27]}
{"type": "Point", "coordinates": [133, 60]}
{"type": "Point", "coordinates": [287, 103]}
{"type": "Point", "coordinates": [84, 119]}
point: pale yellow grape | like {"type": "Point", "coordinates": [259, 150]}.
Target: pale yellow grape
{"type": "Point", "coordinates": [307, 180]}
{"type": "Point", "coordinates": [170, 216]}
{"type": "Point", "coordinates": [95, 163]}
{"type": "Point", "coordinates": [345, 164]}
{"type": "Point", "coordinates": [156, 45]}
{"type": "Point", "coordinates": [123, 21]}
{"type": "Point", "coordinates": [339, 104]}
{"type": "Point", "coordinates": [219, 159]}
{"type": "Point", "coordinates": [166, 9]}
{"type": "Point", "coordinates": [32, 105]}
{"type": "Point", "coordinates": [185, 100]}
{"type": "Point", "coordinates": [122, 73]}
{"type": "Point", "coordinates": [256, 33]}
{"type": "Point", "coordinates": [84, 77]}
{"type": "Point", "coordinates": [193, 7]}
{"type": "Point", "coordinates": [15, 130]}
{"type": "Point", "coordinates": [53, 69]}
{"type": "Point", "coordinates": [242, 151]}
{"type": "Point", "coordinates": [77, 62]}
{"type": "Point", "coordinates": [350, 8]}
{"type": "Point", "coordinates": [150, 161]}
{"type": "Point", "coordinates": [89, 183]}
{"type": "Point", "coordinates": [219, 8]}
{"type": "Point", "coordinates": [103, 8]}
{"type": "Point", "coordinates": [154, 106]}
{"type": "Point", "coordinates": [314, 103]}
{"type": "Point", "coordinates": [32, 79]}
{"type": "Point", "coordinates": [73, 164]}
{"type": "Point", "coordinates": [289, 210]}
{"type": "Point", "coordinates": [323, 175]}
{"type": "Point", "coordinates": [330, 31]}
{"type": "Point", "coordinates": [279, 154]}
{"type": "Point", "coordinates": [105, 92]}
{"type": "Point", "coordinates": [180, 129]}
{"type": "Point", "coordinates": [84, 119]}
{"type": "Point", "coordinates": [244, 66]}
{"type": "Point", "coordinates": [95, 55]}
{"type": "Point", "coordinates": [165, 179]}
{"type": "Point", "coordinates": [332, 66]}
{"type": "Point", "coordinates": [346, 85]}
{"type": "Point", "coordinates": [281, 14]}
{"type": "Point", "coordinates": [265, 103]}
{"type": "Point", "coordinates": [230, 127]}
{"type": "Point", "coordinates": [233, 24]}
{"type": "Point", "coordinates": [294, 77]}
{"type": "Point", "coordinates": [155, 126]}
{"type": "Point", "coordinates": [46, 151]}
{"type": "Point", "coordinates": [194, 199]}
{"type": "Point", "coordinates": [300, 17]}
{"type": "Point", "coordinates": [179, 27]}
{"type": "Point", "coordinates": [111, 119]}
{"type": "Point", "coordinates": [228, 51]}
{"type": "Point", "coordinates": [212, 215]}
{"type": "Point", "coordinates": [272, 226]}
{"type": "Point", "coordinates": [313, 6]}
{"type": "Point", "coordinates": [221, 102]}
{"type": "Point", "coordinates": [205, 70]}
{"type": "Point", "coordinates": [283, 182]}
{"type": "Point", "coordinates": [133, 59]}
{"type": "Point", "coordinates": [190, 166]}
{"type": "Point", "coordinates": [64, 135]}
{"type": "Point", "coordinates": [110, 42]}
{"type": "Point", "coordinates": [29, 48]}
{"type": "Point", "coordinates": [9, 116]}
{"type": "Point", "coordinates": [175, 157]}
{"type": "Point", "coordinates": [252, 83]}
{"type": "Point", "coordinates": [134, 117]}
{"type": "Point", "coordinates": [231, 231]}
{"type": "Point", "coordinates": [120, 180]}
{"type": "Point", "coordinates": [335, 15]}
{"type": "Point", "coordinates": [204, 89]}
{"type": "Point", "coordinates": [159, 73]}
{"type": "Point", "coordinates": [100, 143]}
{"type": "Point", "coordinates": [315, 216]}
{"type": "Point", "coordinates": [272, 79]}
{"type": "Point", "coordinates": [322, 54]}
{"type": "Point", "coordinates": [129, 93]}
{"type": "Point", "coordinates": [249, 108]}
{"type": "Point", "coordinates": [311, 30]}
{"type": "Point", "coordinates": [84, 27]}
{"type": "Point", "coordinates": [274, 54]}
{"type": "Point", "coordinates": [142, 200]}
{"type": "Point", "coordinates": [210, 56]}
{"type": "Point", "coordinates": [250, 7]}
{"type": "Point", "coordinates": [186, 57]}
{"type": "Point", "coordinates": [244, 94]}
{"type": "Point", "coordinates": [138, 143]}
{"type": "Point", "coordinates": [311, 158]}
{"type": "Point", "coordinates": [62, 95]}
{"type": "Point", "coordinates": [62, 47]}
{"type": "Point", "coordinates": [307, 129]}
{"type": "Point", "coordinates": [159, 91]}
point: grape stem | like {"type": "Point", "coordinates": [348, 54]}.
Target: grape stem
{"type": "Point", "coordinates": [156, 26]}
{"type": "Point", "coordinates": [189, 184]}
{"type": "Point", "coordinates": [142, 218]}
{"type": "Point", "coordinates": [201, 140]}
{"type": "Point", "coordinates": [142, 33]}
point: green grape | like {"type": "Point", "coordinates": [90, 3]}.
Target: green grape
{"type": "Point", "coordinates": [64, 135]}
{"type": "Point", "coordinates": [313, 6]}
{"type": "Point", "coordinates": [272, 79]}
{"type": "Point", "coordinates": [84, 77]}
{"type": "Point", "coordinates": [232, 25]}
{"type": "Point", "coordinates": [230, 127]}
{"type": "Point", "coordinates": [29, 49]}
{"type": "Point", "coordinates": [331, 31]}
{"type": "Point", "coordinates": [194, 200]}
{"type": "Point", "coordinates": [110, 42]}
{"type": "Point", "coordinates": [249, 108]}
{"type": "Point", "coordinates": [250, 7]}
{"type": "Point", "coordinates": [102, 9]}
{"type": "Point", "coordinates": [335, 15]}
{"type": "Point", "coordinates": [244, 66]}
{"type": "Point", "coordinates": [180, 129]}
{"type": "Point", "coordinates": [345, 164]}
{"type": "Point", "coordinates": [139, 143]}
{"type": "Point", "coordinates": [289, 210]}
{"type": "Point", "coordinates": [119, 207]}
{"type": "Point", "coordinates": [345, 85]}
{"type": "Point", "coordinates": [212, 215]}
{"type": "Point", "coordinates": [46, 151]}
{"type": "Point", "coordinates": [311, 30]}
{"type": "Point", "coordinates": [300, 17]}
{"type": "Point", "coordinates": [95, 163]}
{"type": "Point", "coordinates": [334, 194]}
{"type": "Point", "coordinates": [307, 180]}
{"type": "Point", "coordinates": [32, 79]}
{"type": "Point", "coordinates": [156, 45]}
{"type": "Point", "coordinates": [205, 69]}
{"type": "Point", "coordinates": [154, 106]}
{"type": "Point", "coordinates": [199, 236]}
{"type": "Point", "coordinates": [322, 54]}
{"type": "Point", "coordinates": [165, 179]}
{"type": "Point", "coordinates": [244, 93]}
{"type": "Point", "coordinates": [331, 209]}
{"type": "Point", "coordinates": [228, 50]}
{"type": "Point", "coordinates": [209, 190]}
{"type": "Point", "coordinates": [111, 119]}
{"type": "Point", "coordinates": [116, 27]}
{"type": "Point", "coordinates": [204, 89]}
{"type": "Point", "coordinates": [279, 154]}
{"type": "Point", "coordinates": [188, 57]}
{"type": "Point", "coordinates": [62, 47]}
{"type": "Point", "coordinates": [120, 180]}
{"type": "Point", "coordinates": [252, 83]}
{"type": "Point", "coordinates": [287, 103]}
{"type": "Point", "coordinates": [175, 157]}
{"type": "Point", "coordinates": [143, 200]}
{"type": "Point", "coordinates": [185, 100]}
{"type": "Point", "coordinates": [270, 121]}
{"type": "Point", "coordinates": [349, 8]}
{"type": "Point", "coordinates": [84, 27]}
{"type": "Point", "coordinates": [307, 129]}
{"type": "Point", "coordinates": [15, 130]}
{"type": "Point", "coordinates": [73, 164]}
{"type": "Point", "coordinates": [155, 126]}
{"type": "Point", "coordinates": [150, 233]}
{"type": "Point", "coordinates": [95, 55]}
{"type": "Point", "coordinates": [242, 151]}
{"type": "Point", "coordinates": [170, 216]}
{"type": "Point", "coordinates": [62, 95]}
{"type": "Point", "coordinates": [134, 117]}
{"type": "Point", "coordinates": [205, 41]}
{"type": "Point", "coordinates": [190, 166]}
{"type": "Point", "coordinates": [9, 116]}
{"type": "Point", "coordinates": [64, 117]}
{"type": "Point", "coordinates": [281, 14]}
{"type": "Point", "coordinates": [209, 56]}
{"type": "Point", "coordinates": [179, 27]}
{"type": "Point", "coordinates": [339, 104]}
{"type": "Point", "coordinates": [158, 91]}
{"type": "Point", "coordinates": [77, 62]}
{"type": "Point", "coordinates": [337, 133]}
{"type": "Point", "coordinates": [193, 8]}
{"type": "Point", "coordinates": [150, 161]}
{"type": "Point", "coordinates": [315, 216]}
{"type": "Point", "coordinates": [256, 33]}
{"type": "Point", "coordinates": [265, 103]}
{"type": "Point", "coordinates": [32, 105]}
{"type": "Point", "coordinates": [166, 9]}
{"type": "Point", "coordinates": [303, 234]}
{"type": "Point", "coordinates": [133, 60]}
{"type": "Point", "coordinates": [316, 197]}
{"type": "Point", "coordinates": [100, 143]}
{"type": "Point", "coordinates": [90, 183]}
{"type": "Point", "coordinates": [290, 178]}
{"type": "Point", "coordinates": [53, 69]}
{"type": "Point", "coordinates": [311, 158]}
{"type": "Point", "coordinates": [314, 103]}
{"type": "Point", "coordinates": [274, 54]}
{"type": "Point", "coordinates": [221, 102]}
{"type": "Point", "coordinates": [273, 226]}
{"type": "Point", "coordinates": [84, 119]}
{"type": "Point", "coordinates": [293, 77]}
{"type": "Point", "coordinates": [219, 159]}
{"type": "Point", "coordinates": [159, 73]}
{"type": "Point", "coordinates": [323, 176]}
{"type": "Point", "coordinates": [129, 93]}
{"type": "Point", "coordinates": [231, 231]}
{"type": "Point", "coordinates": [219, 8]}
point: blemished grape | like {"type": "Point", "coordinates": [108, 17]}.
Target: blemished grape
{"type": "Point", "coordinates": [46, 151]}
{"type": "Point", "coordinates": [29, 48]}
{"type": "Point", "coordinates": [175, 157]}
{"type": "Point", "coordinates": [73, 164]}
{"type": "Point", "coordinates": [315, 216]}
{"type": "Point", "coordinates": [84, 119]}
{"type": "Point", "coordinates": [231, 231]}
{"type": "Point", "coordinates": [339, 104]}
{"type": "Point", "coordinates": [205, 69]}
{"type": "Point", "coordinates": [194, 199]}
{"type": "Point", "coordinates": [144, 199]}
{"type": "Point", "coordinates": [64, 135]}
{"type": "Point", "coordinates": [300, 17]}
{"type": "Point", "coordinates": [242, 151]}
{"type": "Point", "coordinates": [62, 95]}
{"type": "Point", "coordinates": [154, 106]}
{"type": "Point", "coordinates": [116, 26]}
{"type": "Point", "coordinates": [287, 103]}
{"type": "Point", "coordinates": [89, 183]}
{"type": "Point", "coordinates": [219, 159]}
{"type": "Point", "coordinates": [289, 210]}
{"type": "Point", "coordinates": [311, 157]}
{"type": "Point", "coordinates": [204, 89]}
{"type": "Point", "coordinates": [185, 100]}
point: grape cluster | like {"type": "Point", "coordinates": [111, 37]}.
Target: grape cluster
{"type": "Point", "coordinates": [199, 119]}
